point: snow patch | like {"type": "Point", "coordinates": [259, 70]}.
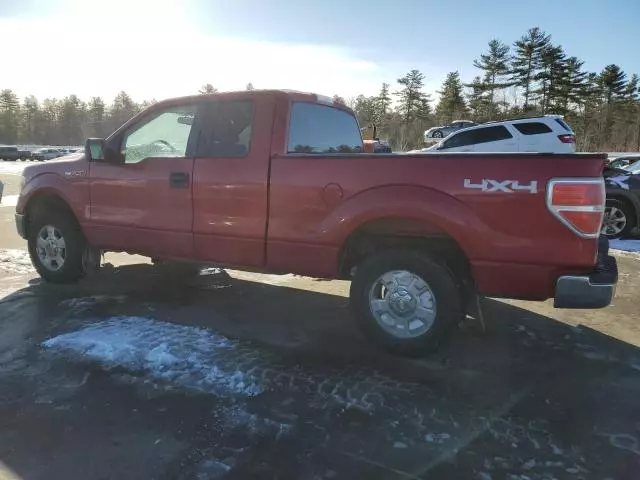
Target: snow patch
{"type": "Point", "coordinates": [12, 168]}
{"type": "Point", "coordinates": [15, 261]}
{"type": "Point", "coordinates": [625, 245]}
{"type": "Point", "coordinates": [9, 201]}
{"type": "Point", "coordinates": [189, 357]}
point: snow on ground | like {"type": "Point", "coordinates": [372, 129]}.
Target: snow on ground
{"type": "Point", "coordinates": [625, 245]}
{"type": "Point", "coordinates": [185, 356]}
{"type": "Point", "coordinates": [9, 201]}
{"type": "Point", "coordinates": [12, 168]}
{"type": "Point", "coordinates": [15, 261]}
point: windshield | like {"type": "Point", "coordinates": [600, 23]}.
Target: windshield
{"type": "Point", "coordinates": [634, 167]}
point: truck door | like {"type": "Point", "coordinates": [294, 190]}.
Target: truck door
{"type": "Point", "coordinates": [231, 171]}
{"type": "Point", "coordinates": [144, 203]}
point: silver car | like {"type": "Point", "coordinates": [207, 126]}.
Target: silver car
{"type": "Point", "coordinates": [444, 130]}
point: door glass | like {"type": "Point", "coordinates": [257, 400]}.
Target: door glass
{"type": "Point", "coordinates": [226, 128]}
{"type": "Point", "coordinates": [164, 134]}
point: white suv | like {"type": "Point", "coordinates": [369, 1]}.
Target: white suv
{"type": "Point", "coordinates": [544, 134]}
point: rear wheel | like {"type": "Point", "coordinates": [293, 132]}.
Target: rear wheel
{"type": "Point", "coordinates": [405, 302]}
{"type": "Point", "coordinates": [619, 219]}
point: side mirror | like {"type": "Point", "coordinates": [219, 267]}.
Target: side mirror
{"type": "Point", "coordinates": [97, 150]}
{"type": "Point", "coordinates": [94, 149]}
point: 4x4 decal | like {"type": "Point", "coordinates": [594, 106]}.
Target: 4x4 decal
{"type": "Point", "coordinates": [506, 186]}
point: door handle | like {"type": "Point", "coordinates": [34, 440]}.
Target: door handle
{"type": "Point", "coordinates": [179, 180]}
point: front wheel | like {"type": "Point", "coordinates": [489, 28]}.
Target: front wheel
{"type": "Point", "coordinates": [437, 134]}
{"type": "Point", "coordinates": [57, 246]}
{"type": "Point", "coordinates": [405, 302]}
{"type": "Point", "coordinates": [619, 219]}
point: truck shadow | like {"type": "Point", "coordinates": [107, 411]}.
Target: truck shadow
{"type": "Point", "coordinates": [313, 324]}
{"type": "Point", "coordinates": [528, 387]}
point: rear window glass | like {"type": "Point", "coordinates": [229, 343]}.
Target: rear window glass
{"type": "Point", "coordinates": [315, 128]}
{"type": "Point", "coordinates": [562, 123]}
{"type": "Point", "coordinates": [532, 128]}
{"type": "Point", "coordinates": [479, 135]}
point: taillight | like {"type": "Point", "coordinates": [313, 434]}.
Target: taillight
{"type": "Point", "coordinates": [578, 203]}
{"type": "Point", "coordinates": [567, 138]}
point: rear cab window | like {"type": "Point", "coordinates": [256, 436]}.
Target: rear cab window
{"type": "Point", "coordinates": [322, 129]}
{"type": "Point", "coordinates": [532, 128]}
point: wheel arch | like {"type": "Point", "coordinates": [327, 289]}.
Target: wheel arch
{"type": "Point", "coordinates": [404, 232]}
{"type": "Point", "coordinates": [46, 200]}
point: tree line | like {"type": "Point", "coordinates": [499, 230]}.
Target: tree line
{"type": "Point", "coordinates": [532, 76]}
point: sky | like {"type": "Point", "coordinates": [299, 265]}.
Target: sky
{"type": "Point", "coordinates": [155, 49]}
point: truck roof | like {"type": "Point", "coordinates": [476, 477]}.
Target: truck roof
{"type": "Point", "coordinates": [293, 95]}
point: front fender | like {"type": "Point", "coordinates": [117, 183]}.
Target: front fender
{"type": "Point", "coordinates": [440, 211]}
{"type": "Point", "coordinates": [74, 193]}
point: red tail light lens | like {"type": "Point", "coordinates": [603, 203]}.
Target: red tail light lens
{"type": "Point", "coordinates": [567, 138]}
{"type": "Point", "coordinates": [578, 203]}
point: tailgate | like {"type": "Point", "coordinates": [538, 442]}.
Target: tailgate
{"type": "Point", "coordinates": [537, 209]}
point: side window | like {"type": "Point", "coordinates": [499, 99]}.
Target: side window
{"type": "Point", "coordinates": [163, 134]}
{"type": "Point", "coordinates": [225, 129]}
{"type": "Point", "coordinates": [532, 128]}
{"type": "Point", "coordinates": [491, 134]}
{"type": "Point", "coordinates": [460, 140]}
{"type": "Point", "coordinates": [315, 128]}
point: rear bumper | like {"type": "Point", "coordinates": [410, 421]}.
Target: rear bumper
{"type": "Point", "coordinates": [21, 226]}
{"type": "Point", "coordinates": [595, 290]}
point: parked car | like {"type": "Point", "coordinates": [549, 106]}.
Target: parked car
{"type": "Point", "coordinates": [24, 155]}
{"type": "Point", "coordinates": [545, 134]}
{"type": "Point", "coordinates": [9, 153]}
{"type": "Point", "coordinates": [444, 130]}
{"type": "Point", "coordinates": [622, 209]}
{"type": "Point", "coordinates": [623, 161]}
{"type": "Point", "coordinates": [43, 154]}
{"type": "Point", "coordinates": [277, 181]}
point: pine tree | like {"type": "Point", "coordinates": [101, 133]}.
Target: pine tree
{"type": "Point", "coordinates": [250, 87]}
{"type": "Point", "coordinates": [207, 89]}
{"type": "Point", "coordinates": [573, 86]}
{"type": "Point", "coordinates": [96, 117]}
{"type": "Point", "coordinates": [340, 100]}
{"type": "Point", "coordinates": [553, 71]}
{"type": "Point", "coordinates": [414, 103]}
{"type": "Point", "coordinates": [495, 65]}
{"type": "Point", "coordinates": [526, 60]}
{"type": "Point", "coordinates": [122, 109]}
{"type": "Point", "coordinates": [9, 116]}
{"type": "Point", "coordinates": [72, 120]}
{"type": "Point", "coordinates": [612, 80]}
{"type": "Point", "coordinates": [478, 100]}
{"type": "Point", "coordinates": [30, 117]}
{"type": "Point", "coordinates": [451, 104]}
{"type": "Point", "coordinates": [383, 102]}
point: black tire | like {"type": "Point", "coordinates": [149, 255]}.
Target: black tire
{"type": "Point", "coordinates": [437, 134]}
{"type": "Point", "coordinates": [448, 300]}
{"type": "Point", "coordinates": [72, 269]}
{"type": "Point", "coordinates": [629, 213]}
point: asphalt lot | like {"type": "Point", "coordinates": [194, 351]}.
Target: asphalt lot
{"type": "Point", "coordinates": [134, 374]}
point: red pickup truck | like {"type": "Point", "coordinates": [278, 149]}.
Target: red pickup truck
{"type": "Point", "coordinates": [279, 181]}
